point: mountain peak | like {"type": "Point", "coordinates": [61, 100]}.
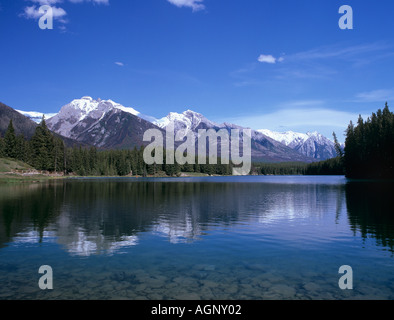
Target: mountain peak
{"type": "Point", "coordinates": [87, 108]}
{"type": "Point", "coordinates": [191, 112]}
{"type": "Point", "coordinates": [312, 144]}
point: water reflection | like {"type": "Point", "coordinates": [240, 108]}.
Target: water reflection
{"type": "Point", "coordinates": [107, 216]}
{"type": "Point", "coordinates": [370, 211]}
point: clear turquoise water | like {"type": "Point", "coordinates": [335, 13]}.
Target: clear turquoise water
{"type": "Point", "coordinates": [216, 238]}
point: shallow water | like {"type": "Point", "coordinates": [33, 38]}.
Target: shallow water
{"type": "Point", "coordinates": [197, 238]}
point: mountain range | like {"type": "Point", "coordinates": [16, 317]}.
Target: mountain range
{"type": "Point", "coordinates": [311, 144]}
{"type": "Point", "coordinates": [107, 124]}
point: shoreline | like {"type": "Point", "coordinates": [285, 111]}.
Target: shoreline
{"type": "Point", "coordinates": [36, 176]}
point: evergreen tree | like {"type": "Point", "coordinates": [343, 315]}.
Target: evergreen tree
{"type": "Point", "coordinates": [58, 155]}
{"type": "Point", "coordinates": [141, 170]}
{"type": "Point", "coordinates": [43, 144]}
{"type": "Point", "coordinates": [10, 141]}
{"type": "Point", "coordinates": [19, 151]}
{"type": "Point", "coordinates": [2, 153]}
{"type": "Point", "coordinates": [134, 161]}
{"type": "Point", "coordinates": [338, 148]}
{"type": "Point", "coordinates": [93, 160]}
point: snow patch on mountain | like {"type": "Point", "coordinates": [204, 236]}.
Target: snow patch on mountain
{"type": "Point", "coordinates": [36, 116]}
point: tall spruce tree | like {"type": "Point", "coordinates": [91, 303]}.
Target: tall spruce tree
{"type": "Point", "coordinates": [10, 141]}
{"type": "Point", "coordinates": [338, 148]}
{"type": "Point", "coordinates": [1, 147]}
{"type": "Point", "coordinates": [42, 145]}
{"type": "Point", "coordinates": [20, 146]}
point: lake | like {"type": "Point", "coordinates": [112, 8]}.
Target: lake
{"type": "Point", "coordinates": [221, 238]}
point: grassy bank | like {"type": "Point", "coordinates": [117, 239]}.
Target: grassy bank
{"type": "Point", "coordinates": [13, 171]}
{"type": "Point", "coordinates": [16, 171]}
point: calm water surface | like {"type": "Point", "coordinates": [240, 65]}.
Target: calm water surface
{"type": "Point", "coordinates": [198, 238]}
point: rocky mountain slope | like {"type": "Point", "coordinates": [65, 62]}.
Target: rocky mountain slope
{"type": "Point", "coordinates": [311, 144]}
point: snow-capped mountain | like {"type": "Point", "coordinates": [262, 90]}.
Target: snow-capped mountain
{"type": "Point", "coordinates": [102, 123]}
{"type": "Point", "coordinates": [186, 121]}
{"type": "Point", "coordinates": [264, 148]}
{"type": "Point", "coordinates": [311, 144]}
{"type": "Point", "coordinates": [80, 114]}
{"type": "Point", "coordinates": [287, 138]}
{"type": "Point", "coordinates": [36, 116]}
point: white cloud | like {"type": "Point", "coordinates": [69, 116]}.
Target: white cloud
{"type": "Point", "coordinates": [267, 58]}
{"type": "Point", "coordinates": [120, 64]}
{"type": "Point", "coordinates": [32, 12]}
{"type": "Point", "coordinates": [196, 5]}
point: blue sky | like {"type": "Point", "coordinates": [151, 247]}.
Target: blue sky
{"type": "Point", "coordinates": [281, 65]}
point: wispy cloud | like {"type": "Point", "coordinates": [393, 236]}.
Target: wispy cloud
{"type": "Point", "coordinates": [323, 62]}
{"type": "Point", "coordinates": [93, 1]}
{"type": "Point", "coordinates": [196, 5]}
{"type": "Point", "coordinates": [380, 95]}
{"type": "Point", "coordinates": [329, 60]}
{"type": "Point", "coordinates": [120, 64]}
{"type": "Point", "coordinates": [352, 54]}
{"type": "Point", "coordinates": [48, 2]}
{"type": "Point", "coordinates": [302, 104]}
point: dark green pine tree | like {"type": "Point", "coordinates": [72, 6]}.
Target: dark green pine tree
{"type": "Point", "coordinates": [93, 159]}
{"type": "Point", "coordinates": [10, 141]}
{"type": "Point", "coordinates": [42, 145]}
{"type": "Point", "coordinates": [338, 148]}
{"type": "Point", "coordinates": [20, 147]}
{"type": "Point", "coordinates": [141, 170]}
{"type": "Point", "coordinates": [133, 154]}
{"type": "Point", "coordinates": [350, 151]}
{"type": "Point", "coordinates": [58, 155]}
{"type": "Point", "coordinates": [2, 147]}
{"type": "Point", "coordinates": [77, 161]}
